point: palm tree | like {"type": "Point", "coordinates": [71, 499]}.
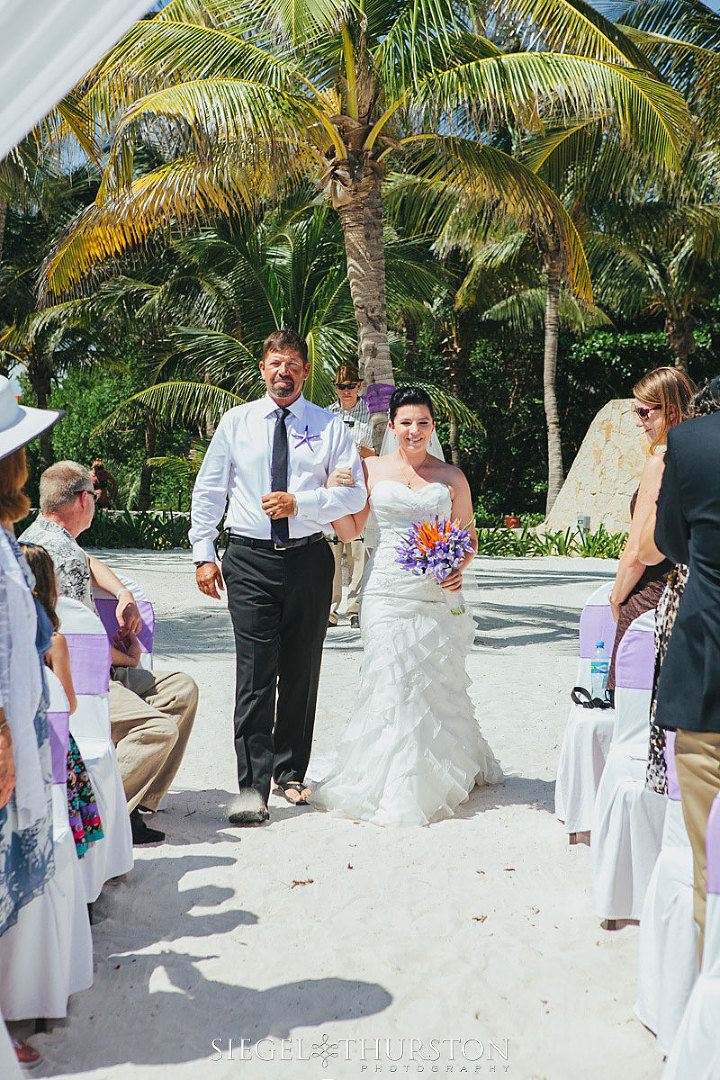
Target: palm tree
{"type": "Point", "coordinates": [243, 97]}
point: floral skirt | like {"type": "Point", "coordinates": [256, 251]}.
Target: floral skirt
{"type": "Point", "coordinates": [82, 807]}
{"type": "Point", "coordinates": [667, 609]}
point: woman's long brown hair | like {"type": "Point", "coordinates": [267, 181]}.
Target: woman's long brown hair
{"type": "Point", "coordinates": [663, 387]}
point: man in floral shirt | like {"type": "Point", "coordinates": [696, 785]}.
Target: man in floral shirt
{"type": "Point", "coordinates": [151, 713]}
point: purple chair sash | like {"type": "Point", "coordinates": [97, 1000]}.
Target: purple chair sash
{"type": "Point", "coordinates": [596, 624]}
{"type": "Point", "coordinates": [673, 787]}
{"type": "Point", "coordinates": [377, 397]}
{"type": "Point", "coordinates": [59, 725]}
{"type": "Point", "coordinates": [712, 847]}
{"type": "Point", "coordinates": [635, 660]}
{"type": "Point", "coordinates": [89, 663]}
{"type": "Point", "coordinates": [106, 611]}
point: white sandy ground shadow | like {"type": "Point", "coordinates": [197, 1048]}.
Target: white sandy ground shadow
{"type": "Point", "coordinates": [346, 940]}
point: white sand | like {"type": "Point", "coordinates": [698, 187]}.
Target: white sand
{"type": "Point", "coordinates": [477, 928]}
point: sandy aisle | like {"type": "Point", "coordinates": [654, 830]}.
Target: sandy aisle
{"type": "Point", "coordinates": [472, 931]}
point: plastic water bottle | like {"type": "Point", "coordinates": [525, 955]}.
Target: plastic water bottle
{"type": "Point", "coordinates": [599, 670]}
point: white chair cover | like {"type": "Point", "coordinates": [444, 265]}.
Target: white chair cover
{"type": "Point", "coordinates": [628, 819]}
{"type": "Point", "coordinates": [106, 604]}
{"type": "Point", "coordinates": [90, 724]}
{"type": "Point", "coordinates": [695, 1054]}
{"type": "Point", "coordinates": [47, 955]}
{"type": "Point", "coordinates": [588, 732]}
{"type": "Point", "coordinates": [668, 939]}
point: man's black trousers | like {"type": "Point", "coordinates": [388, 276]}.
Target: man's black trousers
{"type": "Point", "coordinates": [279, 604]}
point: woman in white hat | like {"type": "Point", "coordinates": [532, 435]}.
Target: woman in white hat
{"type": "Point", "coordinates": [26, 852]}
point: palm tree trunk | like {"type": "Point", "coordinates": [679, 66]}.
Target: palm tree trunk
{"type": "Point", "coordinates": [552, 418]}
{"type": "Point", "coordinates": [680, 336]}
{"type": "Point", "coordinates": [3, 219]}
{"type": "Point", "coordinates": [362, 225]}
{"type": "Point", "coordinates": [143, 502]}
{"type": "Point", "coordinates": [39, 373]}
{"type": "Point", "coordinates": [454, 441]}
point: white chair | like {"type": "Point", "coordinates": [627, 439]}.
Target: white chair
{"type": "Point", "coordinates": [90, 724]}
{"type": "Point", "coordinates": [9, 1067]}
{"type": "Point", "coordinates": [695, 1054]}
{"type": "Point", "coordinates": [628, 819]}
{"type": "Point", "coordinates": [668, 939]}
{"type": "Point", "coordinates": [106, 604]}
{"type": "Point", "coordinates": [47, 955]}
{"type": "Point", "coordinates": [588, 732]}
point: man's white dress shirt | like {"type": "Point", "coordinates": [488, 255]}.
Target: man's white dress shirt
{"type": "Point", "coordinates": [236, 471]}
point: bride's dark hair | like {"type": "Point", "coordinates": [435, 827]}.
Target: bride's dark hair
{"type": "Point", "coordinates": [410, 395]}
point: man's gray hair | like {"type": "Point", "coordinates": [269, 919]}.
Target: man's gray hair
{"type": "Point", "coordinates": [60, 484]}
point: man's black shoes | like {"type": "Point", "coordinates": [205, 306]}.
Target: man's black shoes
{"type": "Point", "coordinates": [142, 833]}
{"type": "Point", "coordinates": [248, 809]}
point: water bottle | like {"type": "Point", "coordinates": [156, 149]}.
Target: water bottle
{"type": "Point", "coordinates": [599, 670]}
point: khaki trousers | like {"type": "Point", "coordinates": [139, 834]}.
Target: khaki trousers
{"type": "Point", "coordinates": [697, 758]}
{"type": "Point", "coordinates": [356, 556]}
{"type": "Point", "coordinates": [151, 717]}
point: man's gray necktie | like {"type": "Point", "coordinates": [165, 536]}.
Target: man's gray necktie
{"type": "Point", "coordinates": [279, 527]}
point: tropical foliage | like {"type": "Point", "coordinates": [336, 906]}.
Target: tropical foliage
{"type": "Point", "coordinates": [457, 193]}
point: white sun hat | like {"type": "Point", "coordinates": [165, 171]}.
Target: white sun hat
{"type": "Point", "coordinates": [20, 424]}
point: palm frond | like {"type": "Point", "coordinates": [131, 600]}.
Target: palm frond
{"type": "Point", "coordinates": [650, 116]}
{"type": "Point", "coordinates": [578, 27]}
{"type": "Point", "coordinates": [173, 403]}
{"type": "Point", "coordinates": [524, 312]}
{"type": "Point", "coordinates": [189, 190]}
{"type": "Point", "coordinates": [483, 177]}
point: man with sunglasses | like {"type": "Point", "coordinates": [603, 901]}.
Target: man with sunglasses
{"type": "Point", "coordinates": [151, 712]}
{"type": "Point", "coordinates": [353, 412]}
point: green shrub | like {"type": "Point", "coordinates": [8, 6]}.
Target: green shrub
{"type": "Point", "coordinates": [496, 541]}
{"type": "Point", "coordinates": [151, 530]}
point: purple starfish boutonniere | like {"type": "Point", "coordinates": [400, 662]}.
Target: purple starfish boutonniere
{"type": "Point", "coordinates": [305, 438]}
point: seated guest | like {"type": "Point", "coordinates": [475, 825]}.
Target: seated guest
{"type": "Point", "coordinates": [151, 713]}
{"type": "Point", "coordinates": [662, 398]}
{"type": "Point", "coordinates": [83, 813]}
{"type": "Point", "coordinates": [687, 531]}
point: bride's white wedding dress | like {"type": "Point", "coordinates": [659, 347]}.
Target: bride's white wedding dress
{"type": "Point", "coordinates": [413, 750]}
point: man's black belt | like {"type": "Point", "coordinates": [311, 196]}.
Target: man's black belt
{"type": "Point", "coordinates": [270, 545]}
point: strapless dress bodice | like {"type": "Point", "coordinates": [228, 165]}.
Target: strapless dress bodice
{"type": "Point", "coordinates": [394, 507]}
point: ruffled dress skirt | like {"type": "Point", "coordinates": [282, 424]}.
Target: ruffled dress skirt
{"type": "Point", "coordinates": [413, 750]}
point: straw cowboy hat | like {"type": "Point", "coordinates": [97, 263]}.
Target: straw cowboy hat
{"type": "Point", "coordinates": [19, 424]}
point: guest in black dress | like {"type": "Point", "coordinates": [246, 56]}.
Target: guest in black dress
{"type": "Point", "coordinates": [662, 399]}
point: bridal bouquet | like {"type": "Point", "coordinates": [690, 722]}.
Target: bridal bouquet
{"type": "Point", "coordinates": [434, 547]}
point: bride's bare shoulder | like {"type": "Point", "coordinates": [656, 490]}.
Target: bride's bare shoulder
{"type": "Point", "coordinates": [448, 474]}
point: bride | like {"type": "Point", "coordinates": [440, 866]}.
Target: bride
{"type": "Point", "coordinates": [413, 750]}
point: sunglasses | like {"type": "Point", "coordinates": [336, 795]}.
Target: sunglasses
{"type": "Point", "coordinates": [89, 491]}
{"type": "Point", "coordinates": [346, 386]}
{"type": "Point", "coordinates": [643, 412]}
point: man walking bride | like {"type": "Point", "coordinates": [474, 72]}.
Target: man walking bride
{"type": "Point", "coordinates": [413, 751]}
{"type": "Point", "coordinates": [269, 461]}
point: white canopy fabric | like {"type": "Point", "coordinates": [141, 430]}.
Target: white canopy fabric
{"type": "Point", "coordinates": [47, 47]}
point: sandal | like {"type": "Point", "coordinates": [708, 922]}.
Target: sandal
{"type": "Point", "coordinates": [281, 788]}
{"type": "Point", "coordinates": [28, 1057]}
